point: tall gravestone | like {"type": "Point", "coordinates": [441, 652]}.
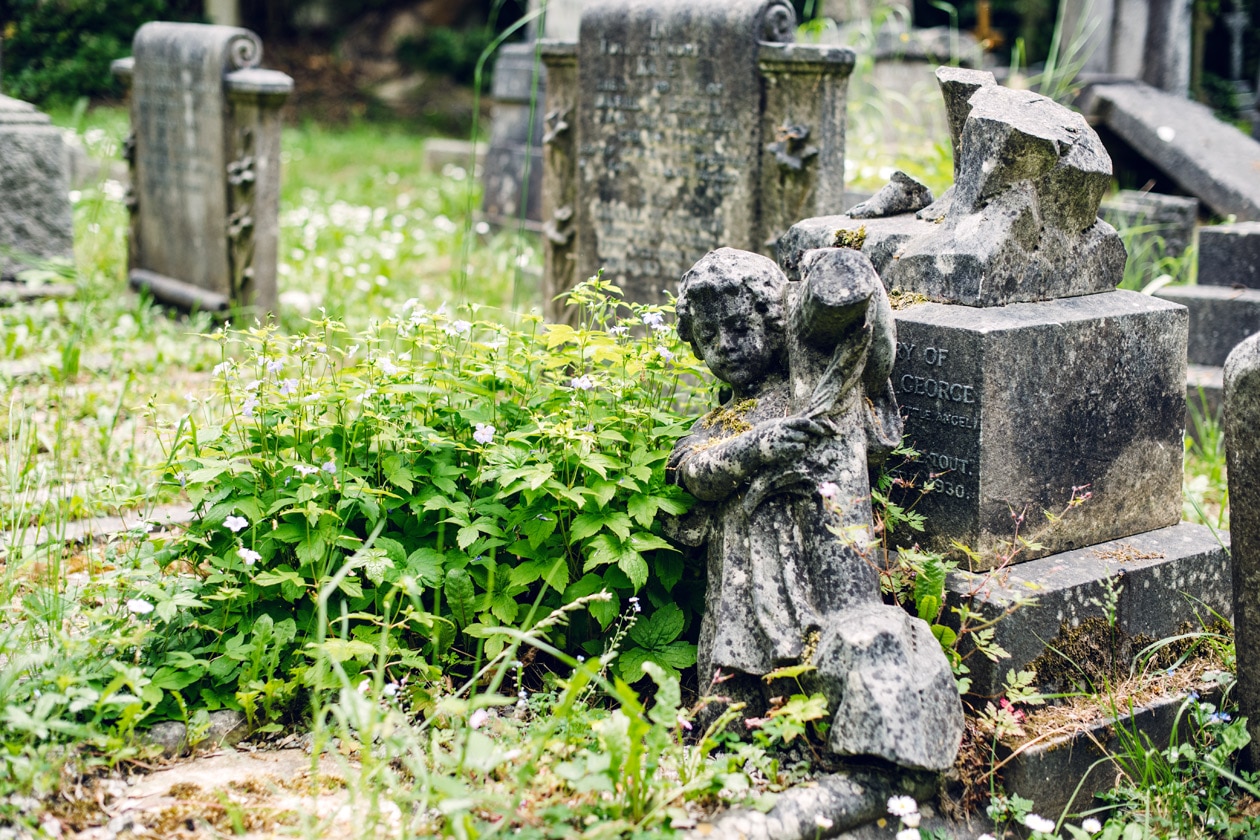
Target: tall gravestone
{"type": "Point", "coordinates": [205, 166]}
{"type": "Point", "coordinates": [688, 126]}
{"type": "Point", "coordinates": [34, 194]}
{"type": "Point", "coordinates": [1242, 419]}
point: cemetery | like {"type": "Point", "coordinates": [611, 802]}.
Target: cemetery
{"type": "Point", "coordinates": [768, 420]}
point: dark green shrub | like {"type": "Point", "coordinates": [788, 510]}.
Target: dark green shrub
{"type": "Point", "coordinates": [60, 50]}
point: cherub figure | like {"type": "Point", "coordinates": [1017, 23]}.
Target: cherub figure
{"type": "Point", "coordinates": [782, 474]}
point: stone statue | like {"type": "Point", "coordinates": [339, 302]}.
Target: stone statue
{"type": "Point", "coordinates": [781, 470]}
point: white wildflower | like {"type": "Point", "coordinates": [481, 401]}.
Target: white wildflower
{"type": "Point", "coordinates": [235, 523]}
{"type": "Point", "coordinates": [582, 383]}
{"type": "Point", "coordinates": [139, 606]}
{"type": "Point", "coordinates": [900, 806]}
{"type": "Point", "coordinates": [911, 820]}
{"type": "Point", "coordinates": [248, 555]}
{"type": "Point", "coordinates": [329, 466]}
{"type": "Point", "coordinates": [1091, 826]}
{"type": "Point", "coordinates": [1036, 822]}
{"type": "Point", "coordinates": [478, 718]}
{"type": "Point", "coordinates": [909, 834]}
{"type": "Point", "coordinates": [655, 320]}
{"type": "Point", "coordinates": [829, 490]}
{"type": "Point", "coordinates": [305, 469]}
{"type": "Point", "coordinates": [484, 433]}
{"type": "Point", "coordinates": [822, 822]}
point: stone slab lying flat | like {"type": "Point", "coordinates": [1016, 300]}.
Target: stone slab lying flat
{"type": "Point", "coordinates": [1171, 580]}
{"type": "Point", "coordinates": [1229, 255]}
{"type": "Point", "coordinates": [1207, 158]}
{"type": "Point", "coordinates": [1065, 771]}
{"type": "Point", "coordinates": [1170, 219]}
{"type": "Point", "coordinates": [1018, 408]}
{"type": "Point", "coordinates": [1220, 318]}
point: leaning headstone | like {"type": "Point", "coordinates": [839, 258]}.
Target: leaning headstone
{"type": "Point", "coordinates": [1164, 224]}
{"type": "Point", "coordinates": [35, 208]}
{"type": "Point", "coordinates": [205, 166]}
{"type": "Point", "coordinates": [1025, 378]}
{"type": "Point", "coordinates": [1242, 418]}
{"type": "Point", "coordinates": [697, 125]}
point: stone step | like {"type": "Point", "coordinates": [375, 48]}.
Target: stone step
{"type": "Point", "coordinates": [1169, 580]}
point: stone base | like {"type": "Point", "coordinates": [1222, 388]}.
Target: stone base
{"type": "Point", "coordinates": [1171, 580]}
{"type": "Point", "coordinates": [1018, 408]}
{"type": "Point", "coordinates": [1220, 318]}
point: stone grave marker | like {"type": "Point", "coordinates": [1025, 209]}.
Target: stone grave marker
{"type": "Point", "coordinates": [1242, 419]}
{"type": "Point", "coordinates": [689, 126]}
{"type": "Point", "coordinates": [1169, 218]}
{"type": "Point", "coordinates": [35, 211]}
{"type": "Point", "coordinates": [1030, 385]}
{"type": "Point", "coordinates": [205, 166]}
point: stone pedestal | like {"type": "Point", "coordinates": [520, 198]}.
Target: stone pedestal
{"type": "Point", "coordinates": [35, 209]}
{"type": "Point", "coordinates": [1019, 408]}
{"type": "Point", "coordinates": [695, 126]}
{"type": "Point", "coordinates": [205, 166]}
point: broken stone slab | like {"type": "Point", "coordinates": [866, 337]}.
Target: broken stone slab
{"type": "Point", "coordinates": [1065, 771]}
{"type": "Point", "coordinates": [1220, 319]}
{"type": "Point", "coordinates": [902, 194]}
{"type": "Point", "coordinates": [1019, 408]}
{"type": "Point", "coordinates": [35, 212]}
{"type": "Point", "coordinates": [1168, 220]}
{"type": "Point", "coordinates": [957, 86]}
{"type": "Point", "coordinates": [840, 801]}
{"type": "Point", "coordinates": [1229, 255]}
{"type": "Point", "coordinates": [1207, 158]}
{"type": "Point", "coordinates": [1242, 418]}
{"type": "Point", "coordinates": [1171, 580]}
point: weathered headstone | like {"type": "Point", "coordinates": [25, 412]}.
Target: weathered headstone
{"type": "Point", "coordinates": [1242, 419]}
{"type": "Point", "coordinates": [697, 125]}
{"type": "Point", "coordinates": [1165, 223]}
{"type": "Point", "coordinates": [205, 166]}
{"type": "Point", "coordinates": [35, 204]}
{"type": "Point", "coordinates": [1014, 397]}
{"type": "Point", "coordinates": [513, 170]}
{"type": "Point", "coordinates": [1229, 255]}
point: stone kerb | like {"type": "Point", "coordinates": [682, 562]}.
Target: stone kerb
{"type": "Point", "coordinates": [204, 155]}
{"type": "Point", "coordinates": [686, 127]}
{"type": "Point", "coordinates": [35, 213]}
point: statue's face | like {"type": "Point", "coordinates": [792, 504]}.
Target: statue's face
{"type": "Point", "coordinates": [731, 334]}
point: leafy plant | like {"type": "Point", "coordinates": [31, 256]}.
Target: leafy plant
{"type": "Point", "coordinates": [456, 477]}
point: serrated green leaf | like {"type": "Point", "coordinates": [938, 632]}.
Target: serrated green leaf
{"type": "Point", "coordinates": [660, 628]}
{"type": "Point", "coordinates": [635, 567]}
{"type": "Point", "coordinates": [461, 596]}
{"type": "Point", "coordinates": [669, 569]}
{"type": "Point", "coordinates": [426, 565]}
{"type": "Point", "coordinates": [467, 536]}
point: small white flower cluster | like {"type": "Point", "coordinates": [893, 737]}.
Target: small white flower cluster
{"type": "Point", "coordinates": [906, 809]}
{"type": "Point", "coordinates": [484, 433]}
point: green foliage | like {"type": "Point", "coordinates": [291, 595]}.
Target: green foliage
{"type": "Point", "coordinates": [60, 50]}
{"type": "Point", "coordinates": [453, 52]}
{"type": "Point", "coordinates": [452, 477]}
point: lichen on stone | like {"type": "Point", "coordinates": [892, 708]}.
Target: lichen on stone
{"type": "Point", "coordinates": [731, 418]}
{"type": "Point", "coordinates": [854, 239]}
{"type": "Point", "coordinates": [902, 299]}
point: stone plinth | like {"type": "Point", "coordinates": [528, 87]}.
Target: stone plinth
{"type": "Point", "coordinates": [1220, 319]}
{"type": "Point", "coordinates": [205, 166]}
{"type": "Point", "coordinates": [1170, 581]}
{"type": "Point", "coordinates": [35, 210]}
{"type": "Point", "coordinates": [1015, 406]}
{"type": "Point", "coordinates": [513, 173]}
{"type": "Point", "coordinates": [1229, 255]}
{"type": "Point", "coordinates": [695, 126]}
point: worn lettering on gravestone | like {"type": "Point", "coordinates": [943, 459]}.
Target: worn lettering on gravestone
{"type": "Point", "coordinates": [695, 125]}
{"type": "Point", "coordinates": [34, 195]}
{"type": "Point", "coordinates": [205, 164]}
{"type": "Point", "coordinates": [785, 515]}
{"type": "Point", "coordinates": [1025, 380]}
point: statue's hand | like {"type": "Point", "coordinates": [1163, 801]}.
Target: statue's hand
{"type": "Point", "coordinates": [786, 440]}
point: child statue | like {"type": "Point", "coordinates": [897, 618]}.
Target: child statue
{"type": "Point", "coordinates": [782, 474]}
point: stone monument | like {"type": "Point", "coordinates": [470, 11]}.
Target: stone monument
{"type": "Point", "coordinates": [1031, 386]}
{"type": "Point", "coordinates": [683, 127]}
{"type": "Point", "coordinates": [205, 166]}
{"type": "Point", "coordinates": [35, 213]}
{"type": "Point", "coordinates": [1242, 419]}
{"type": "Point", "coordinates": [785, 515]}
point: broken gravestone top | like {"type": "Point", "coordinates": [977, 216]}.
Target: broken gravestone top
{"type": "Point", "coordinates": [1020, 223]}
